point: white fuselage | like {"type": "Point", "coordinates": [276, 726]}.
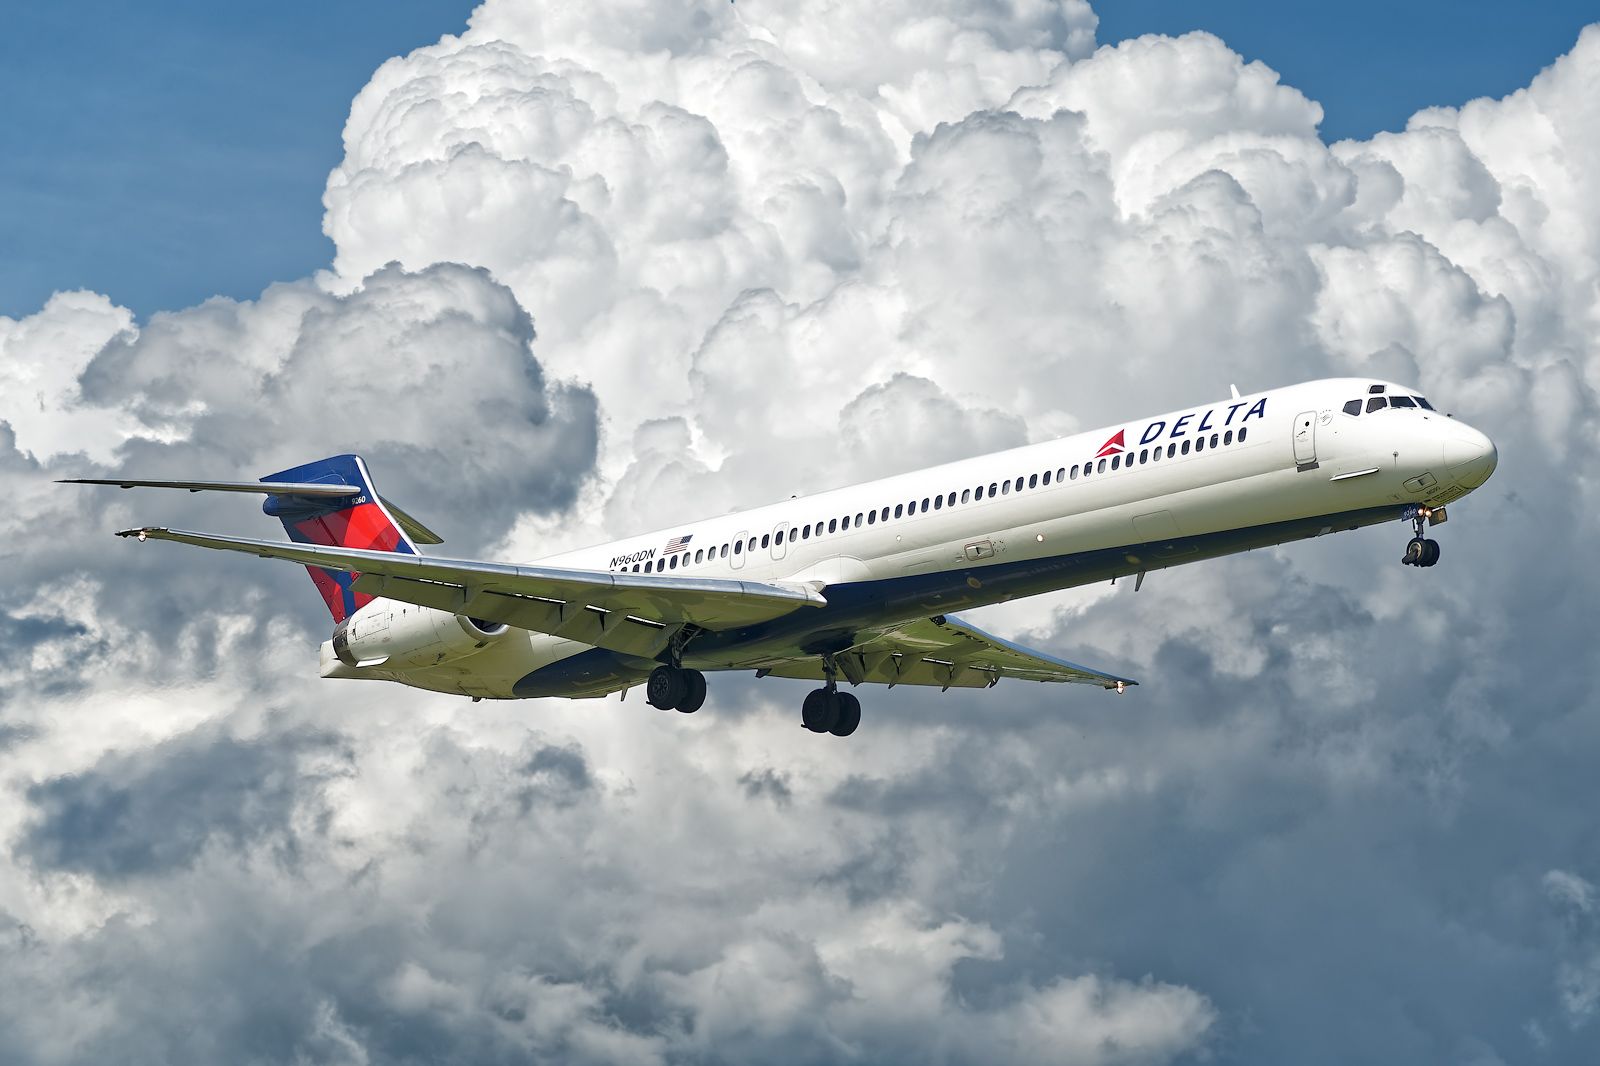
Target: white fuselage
{"type": "Point", "coordinates": [1276, 457]}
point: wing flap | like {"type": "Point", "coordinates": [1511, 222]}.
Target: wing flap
{"type": "Point", "coordinates": [948, 653]}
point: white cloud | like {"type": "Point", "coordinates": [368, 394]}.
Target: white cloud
{"type": "Point", "coordinates": [770, 249]}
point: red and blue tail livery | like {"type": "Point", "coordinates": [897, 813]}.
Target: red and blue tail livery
{"type": "Point", "coordinates": [359, 520]}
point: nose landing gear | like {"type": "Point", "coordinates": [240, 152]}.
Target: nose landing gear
{"type": "Point", "coordinates": [1419, 550]}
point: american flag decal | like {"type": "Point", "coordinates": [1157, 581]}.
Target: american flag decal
{"type": "Point", "coordinates": [678, 544]}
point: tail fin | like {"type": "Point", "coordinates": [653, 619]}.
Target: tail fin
{"type": "Point", "coordinates": [359, 521]}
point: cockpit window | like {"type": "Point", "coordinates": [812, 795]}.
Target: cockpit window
{"type": "Point", "coordinates": [1423, 403]}
{"type": "Point", "coordinates": [1353, 407]}
{"type": "Point", "coordinates": [1401, 401]}
{"type": "Point", "coordinates": [1376, 403]}
{"type": "Point", "coordinates": [1375, 389]}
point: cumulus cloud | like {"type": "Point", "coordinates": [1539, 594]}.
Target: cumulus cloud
{"type": "Point", "coordinates": [771, 249]}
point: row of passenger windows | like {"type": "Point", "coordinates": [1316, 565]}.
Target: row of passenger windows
{"type": "Point", "coordinates": [820, 528]}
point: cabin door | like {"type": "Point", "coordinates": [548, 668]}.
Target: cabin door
{"type": "Point", "coordinates": [1305, 440]}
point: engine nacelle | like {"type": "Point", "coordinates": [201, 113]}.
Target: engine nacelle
{"type": "Point", "coordinates": [385, 632]}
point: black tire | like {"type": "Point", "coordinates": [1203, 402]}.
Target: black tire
{"type": "Point", "coordinates": [849, 715]}
{"type": "Point", "coordinates": [820, 710]}
{"type": "Point", "coordinates": [695, 696]}
{"type": "Point", "coordinates": [1416, 552]}
{"type": "Point", "coordinates": [1430, 554]}
{"type": "Point", "coordinates": [666, 687]}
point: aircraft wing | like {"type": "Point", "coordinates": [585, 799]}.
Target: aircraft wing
{"type": "Point", "coordinates": [945, 652]}
{"type": "Point", "coordinates": [636, 614]}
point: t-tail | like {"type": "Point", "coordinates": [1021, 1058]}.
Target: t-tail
{"type": "Point", "coordinates": [357, 520]}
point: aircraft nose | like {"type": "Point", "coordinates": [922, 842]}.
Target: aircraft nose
{"type": "Point", "coordinates": [1469, 455]}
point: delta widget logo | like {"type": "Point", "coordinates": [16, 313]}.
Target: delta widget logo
{"type": "Point", "coordinates": [1113, 446]}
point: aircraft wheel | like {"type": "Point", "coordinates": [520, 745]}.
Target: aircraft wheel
{"type": "Point", "coordinates": [849, 715]}
{"type": "Point", "coordinates": [820, 710]}
{"type": "Point", "coordinates": [666, 688]}
{"type": "Point", "coordinates": [694, 691]}
{"type": "Point", "coordinates": [1430, 554]}
{"type": "Point", "coordinates": [1416, 552]}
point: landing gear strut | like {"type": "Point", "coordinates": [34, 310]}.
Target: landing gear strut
{"type": "Point", "coordinates": [676, 688]}
{"type": "Point", "coordinates": [1419, 550]}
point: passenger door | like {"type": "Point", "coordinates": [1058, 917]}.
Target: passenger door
{"type": "Point", "coordinates": [1305, 440]}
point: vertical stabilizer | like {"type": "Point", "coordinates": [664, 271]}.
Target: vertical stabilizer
{"type": "Point", "coordinates": [360, 521]}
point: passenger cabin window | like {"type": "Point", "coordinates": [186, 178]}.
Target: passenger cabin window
{"type": "Point", "coordinates": [1242, 432]}
{"type": "Point", "coordinates": [1185, 448]}
{"type": "Point", "coordinates": [1353, 407]}
{"type": "Point", "coordinates": [1047, 477]}
{"type": "Point", "coordinates": [966, 495]}
{"type": "Point", "coordinates": [884, 515]}
{"type": "Point", "coordinates": [1376, 403]}
{"type": "Point", "coordinates": [1401, 401]}
{"type": "Point", "coordinates": [899, 509]}
{"type": "Point", "coordinates": [1005, 488]}
{"type": "Point", "coordinates": [1227, 438]}
{"type": "Point", "coordinates": [925, 505]}
{"type": "Point", "coordinates": [1101, 469]}
{"type": "Point", "coordinates": [833, 525]}
{"type": "Point", "coordinates": [992, 487]}
{"type": "Point", "coordinates": [1033, 481]}
{"type": "Point", "coordinates": [738, 547]}
{"type": "Point", "coordinates": [872, 517]}
{"type": "Point", "coordinates": [938, 502]}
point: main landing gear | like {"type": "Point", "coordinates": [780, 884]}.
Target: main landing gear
{"type": "Point", "coordinates": [827, 710]}
{"type": "Point", "coordinates": [676, 688]}
{"type": "Point", "coordinates": [1419, 550]}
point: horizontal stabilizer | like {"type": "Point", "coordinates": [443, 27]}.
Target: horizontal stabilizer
{"type": "Point", "coordinates": [279, 488]}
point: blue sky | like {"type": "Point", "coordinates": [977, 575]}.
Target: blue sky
{"type": "Point", "coordinates": [165, 153]}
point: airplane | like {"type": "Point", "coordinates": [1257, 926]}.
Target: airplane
{"type": "Point", "coordinates": [858, 584]}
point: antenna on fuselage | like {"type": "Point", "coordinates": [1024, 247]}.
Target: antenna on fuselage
{"type": "Point", "coordinates": [1235, 390]}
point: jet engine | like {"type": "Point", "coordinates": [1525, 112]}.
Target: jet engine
{"type": "Point", "coordinates": [388, 633]}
